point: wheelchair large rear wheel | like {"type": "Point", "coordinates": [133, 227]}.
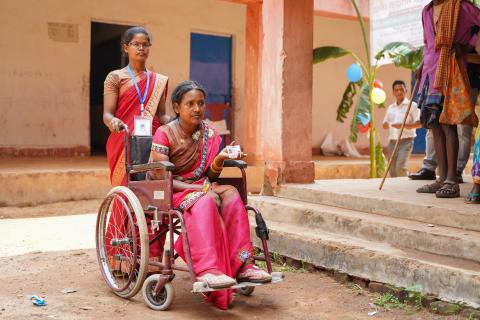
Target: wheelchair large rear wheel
{"type": "Point", "coordinates": [122, 242]}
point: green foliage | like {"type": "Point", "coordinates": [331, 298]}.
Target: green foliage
{"type": "Point", "coordinates": [363, 106]}
{"type": "Point", "coordinates": [346, 102]}
{"type": "Point", "coordinates": [321, 54]}
{"type": "Point", "coordinates": [388, 301]}
{"type": "Point", "coordinates": [415, 295]}
{"type": "Point", "coordinates": [402, 54]}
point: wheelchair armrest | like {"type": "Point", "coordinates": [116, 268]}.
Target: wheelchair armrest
{"type": "Point", "coordinates": [235, 163]}
{"type": "Point", "coordinates": [151, 166]}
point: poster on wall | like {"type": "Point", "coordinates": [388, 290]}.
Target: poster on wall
{"type": "Point", "coordinates": [395, 20]}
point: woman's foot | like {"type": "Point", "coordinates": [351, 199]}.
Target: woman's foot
{"type": "Point", "coordinates": [448, 190]}
{"type": "Point", "coordinates": [252, 273]}
{"type": "Point", "coordinates": [431, 188]}
{"type": "Point", "coordinates": [217, 281]}
{"type": "Point", "coordinates": [474, 196]}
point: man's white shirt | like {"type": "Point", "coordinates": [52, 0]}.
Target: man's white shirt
{"type": "Point", "coordinates": [396, 113]}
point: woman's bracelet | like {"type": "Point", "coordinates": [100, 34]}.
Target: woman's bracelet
{"type": "Point", "coordinates": [216, 168]}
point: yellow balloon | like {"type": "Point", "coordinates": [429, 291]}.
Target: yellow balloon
{"type": "Point", "coordinates": [378, 96]}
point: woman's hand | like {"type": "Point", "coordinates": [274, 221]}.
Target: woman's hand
{"type": "Point", "coordinates": [116, 125]}
{"type": "Point", "coordinates": [223, 155]}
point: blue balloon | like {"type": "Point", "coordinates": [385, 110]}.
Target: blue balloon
{"type": "Point", "coordinates": [354, 73]}
{"type": "Point", "coordinates": [364, 118]}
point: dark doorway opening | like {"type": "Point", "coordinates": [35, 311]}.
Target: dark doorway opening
{"type": "Point", "coordinates": [105, 56]}
{"type": "Point", "coordinates": [211, 65]}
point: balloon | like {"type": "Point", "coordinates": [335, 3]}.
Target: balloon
{"type": "Point", "coordinates": [364, 118]}
{"type": "Point", "coordinates": [378, 96]}
{"type": "Point", "coordinates": [363, 129]}
{"type": "Point", "coordinates": [354, 72]}
{"type": "Point", "coordinates": [378, 84]}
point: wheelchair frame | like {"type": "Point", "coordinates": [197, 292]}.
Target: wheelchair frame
{"type": "Point", "coordinates": [154, 198]}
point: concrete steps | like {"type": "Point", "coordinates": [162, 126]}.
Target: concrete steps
{"type": "Point", "coordinates": [397, 199]}
{"type": "Point", "coordinates": [442, 276]}
{"type": "Point", "coordinates": [403, 233]}
{"type": "Point", "coordinates": [395, 236]}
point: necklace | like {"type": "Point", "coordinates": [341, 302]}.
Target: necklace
{"type": "Point", "coordinates": [194, 136]}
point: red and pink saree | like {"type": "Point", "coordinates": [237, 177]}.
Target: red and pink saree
{"type": "Point", "coordinates": [218, 234]}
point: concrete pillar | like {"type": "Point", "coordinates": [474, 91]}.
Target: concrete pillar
{"type": "Point", "coordinates": [285, 112]}
{"type": "Point", "coordinates": [253, 60]}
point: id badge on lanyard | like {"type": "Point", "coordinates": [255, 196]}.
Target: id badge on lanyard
{"type": "Point", "coordinates": [142, 124]}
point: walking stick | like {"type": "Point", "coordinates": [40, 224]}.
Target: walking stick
{"type": "Point", "coordinates": [417, 82]}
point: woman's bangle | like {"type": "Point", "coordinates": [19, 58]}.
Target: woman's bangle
{"type": "Point", "coordinates": [206, 186]}
{"type": "Point", "coordinates": [215, 167]}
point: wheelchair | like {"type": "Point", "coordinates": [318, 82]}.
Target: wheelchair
{"type": "Point", "coordinates": [123, 239]}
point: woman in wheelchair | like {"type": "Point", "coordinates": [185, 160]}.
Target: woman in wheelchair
{"type": "Point", "coordinates": [215, 216]}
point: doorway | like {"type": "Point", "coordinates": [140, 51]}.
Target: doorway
{"type": "Point", "coordinates": [211, 66]}
{"type": "Point", "coordinates": [105, 56]}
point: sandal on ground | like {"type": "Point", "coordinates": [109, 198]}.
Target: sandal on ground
{"type": "Point", "coordinates": [448, 190]}
{"type": "Point", "coordinates": [254, 274]}
{"type": "Point", "coordinates": [219, 281]}
{"type": "Point", "coordinates": [431, 188]}
{"type": "Point", "coordinates": [472, 198]}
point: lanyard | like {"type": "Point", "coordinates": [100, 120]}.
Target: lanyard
{"type": "Point", "coordinates": [142, 99]}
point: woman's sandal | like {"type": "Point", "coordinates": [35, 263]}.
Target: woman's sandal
{"type": "Point", "coordinates": [254, 274]}
{"type": "Point", "coordinates": [219, 281]}
{"type": "Point", "coordinates": [431, 188]}
{"type": "Point", "coordinates": [448, 190]}
{"type": "Point", "coordinates": [472, 198]}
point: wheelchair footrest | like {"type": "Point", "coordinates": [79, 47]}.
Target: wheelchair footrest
{"type": "Point", "coordinates": [201, 286]}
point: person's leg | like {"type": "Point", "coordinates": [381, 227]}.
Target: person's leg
{"type": "Point", "coordinates": [474, 195]}
{"type": "Point", "coordinates": [430, 160]}
{"type": "Point", "coordinates": [464, 143]}
{"type": "Point", "coordinates": [448, 153]}
{"type": "Point", "coordinates": [427, 172]}
{"type": "Point", "coordinates": [393, 166]}
{"type": "Point", "coordinates": [440, 151]}
{"type": "Point", "coordinates": [405, 148]}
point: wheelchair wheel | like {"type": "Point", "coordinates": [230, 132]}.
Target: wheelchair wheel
{"type": "Point", "coordinates": [122, 242]}
{"type": "Point", "coordinates": [161, 301]}
{"type": "Point", "coordinates": [246, 291]}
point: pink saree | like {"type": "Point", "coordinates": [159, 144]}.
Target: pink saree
{"type": "Point", "coordinates": [219, 236]}
{"type": "Point", "coordinates": [128, 106]}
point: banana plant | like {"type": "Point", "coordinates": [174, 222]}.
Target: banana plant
{"type": "Point", "coordinates": [401, 53]}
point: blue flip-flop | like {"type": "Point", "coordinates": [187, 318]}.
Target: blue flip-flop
{"type": "Point", "coordinates": [472, 198]}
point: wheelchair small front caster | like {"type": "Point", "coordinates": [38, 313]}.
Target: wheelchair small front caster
{"type": "Point", "coordinates": [246, 291]}
{"type": "Point", "coordinates": [161, 301]}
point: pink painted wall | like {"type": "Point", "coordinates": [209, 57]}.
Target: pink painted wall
{"type": "Point", "coordinates": [44, 84]}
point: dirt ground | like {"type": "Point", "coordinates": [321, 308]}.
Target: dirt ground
{"type": "Point", "coordinates": [32, 261]}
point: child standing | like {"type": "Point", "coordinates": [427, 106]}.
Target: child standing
{"type": "Point", "coordinates": [393, 121]}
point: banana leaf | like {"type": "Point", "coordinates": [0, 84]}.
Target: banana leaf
{"type": "Point", "coordinates": [362, 106]}
{"type": "Point", "coordinates": [402, 54]}
{"type": "Point", "coordinates": [347, 101]}
{"type": "Point", "coordinates": [321, 54]}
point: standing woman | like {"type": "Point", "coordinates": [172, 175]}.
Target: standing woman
{"type": "Point", "coordinates": [131, 94]}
